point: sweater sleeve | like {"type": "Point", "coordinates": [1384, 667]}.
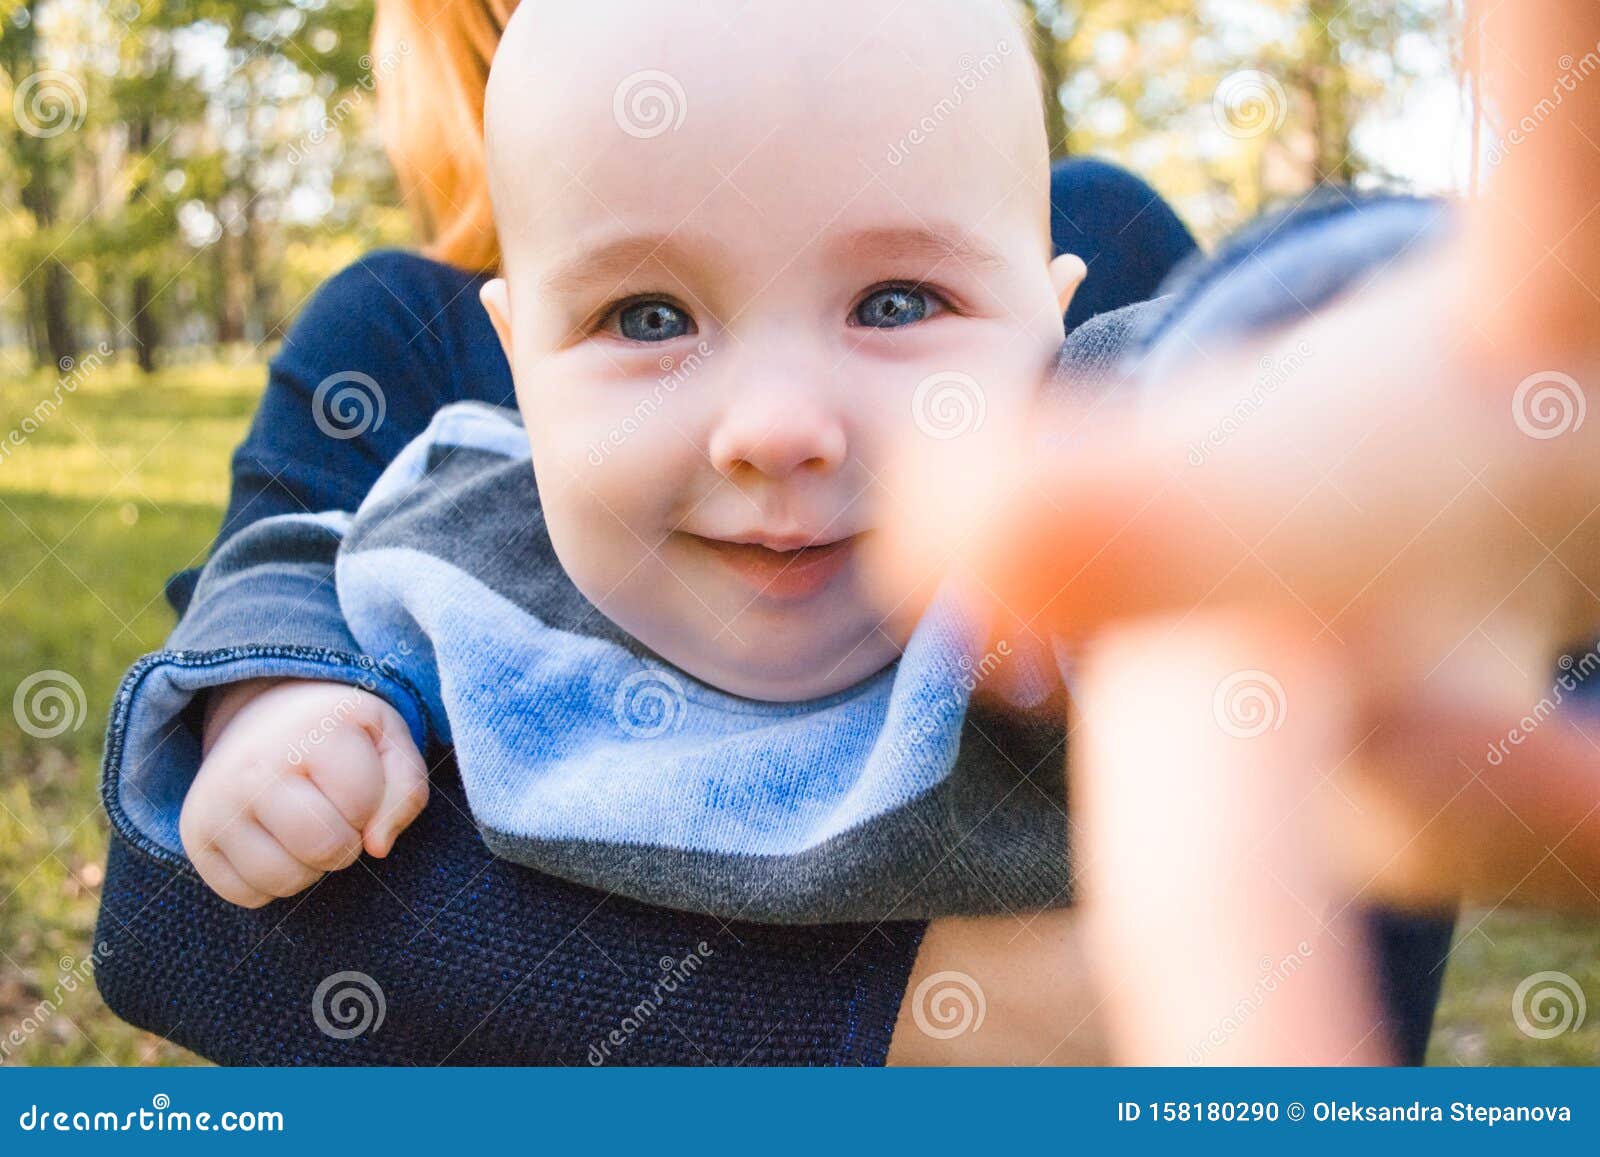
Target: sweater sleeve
{"type": "Point", "coordinates": [263, 606]}
{"type": "Point", "coordinates": [360, 373]}
{"type": "Point", "coordinates": [1127, 235]}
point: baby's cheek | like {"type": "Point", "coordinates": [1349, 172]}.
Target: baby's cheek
{"type": "Point", "coordinates": [603, 495]}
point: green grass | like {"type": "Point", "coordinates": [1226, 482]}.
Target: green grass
{"type": "Point", "coordinates": [124, 484]}
{"type": "Point", "coordinates": [120, 485]}
{"type": "Point", "coordinates": [1493, 954]}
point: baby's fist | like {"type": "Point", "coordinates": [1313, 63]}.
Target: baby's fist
{"type": "Point", "coordinates": [298, 777]}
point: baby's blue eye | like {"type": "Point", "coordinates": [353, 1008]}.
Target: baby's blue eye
{"type": "Point", "coordinates": [653, 321]}
{"type": "Point", "coordinates": [893, 308]}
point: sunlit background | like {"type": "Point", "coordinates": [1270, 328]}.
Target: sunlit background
{"type": "Point", "coordinates": [176, 176]}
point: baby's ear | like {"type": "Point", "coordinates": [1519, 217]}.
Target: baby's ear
{"type": "Point", "coordinates": [497, 302]}
{"type": "Point", "coordinates": [1066, 274]}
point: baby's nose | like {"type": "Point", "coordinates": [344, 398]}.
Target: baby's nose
{"type": "Point", "coordinates": [777, 436]}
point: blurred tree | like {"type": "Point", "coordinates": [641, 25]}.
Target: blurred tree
{"type": "Point", "coordinates": [183, 173]}
{"type": "Point", "coordinates": [150, 103]}
{"type": "Point", "coordinates": [186, 170]}
{"type": "Point", "coordinates": [1228, 105]}
{"type": "Point", "coordinates": [47, 104]}
{"type": "Point", "coordinates": [1050, 30]}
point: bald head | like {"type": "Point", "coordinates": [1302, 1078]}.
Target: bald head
{"type": "Point", "coordinates": [725, 89]}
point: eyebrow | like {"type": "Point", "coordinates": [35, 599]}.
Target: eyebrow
{"type": "Point", "coordinates": [923, 244]}
{"type": "Point", "coordinates": [607, 265]}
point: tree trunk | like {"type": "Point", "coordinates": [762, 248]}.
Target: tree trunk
{"type": "Point", "coordinates": [49, 295]}
{"type": "Point", "coordinates": [1330, 99]}
{"type": "Point", "coordinates": [146, 330]}
{"type": "Point", "coordinates": [255, 319]}
{"type": "Point", "coordinates": [226, 322]}
{"type": "Point", "coordinates": [146, 334]}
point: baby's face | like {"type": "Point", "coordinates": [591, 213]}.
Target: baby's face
{"type": "Point", "coordinates": [748, 248]}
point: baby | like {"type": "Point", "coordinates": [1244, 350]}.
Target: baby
{"type": "Point", "coordinates": [747, 250]}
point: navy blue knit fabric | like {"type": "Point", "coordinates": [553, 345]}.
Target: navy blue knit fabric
{"type": "Point", "coordinates": [474, 960]}
{"type": "Point", "coordinates": [1127, 235]}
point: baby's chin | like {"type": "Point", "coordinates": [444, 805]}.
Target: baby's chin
{"type": "Point", "coordinates": [773, 677]}
{"type": "Point", "coordinates": [781, 670]}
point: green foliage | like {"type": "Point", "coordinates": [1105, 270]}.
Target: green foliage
{"type": "Point", "coordinates": [1228, 106]}
{"type": "Point", "coordinates": [197, 166]}
{"type": "Point", "coordinates": [175, 164]}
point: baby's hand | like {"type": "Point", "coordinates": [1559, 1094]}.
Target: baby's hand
{"type": "Point", "coordinates": [297, 777]}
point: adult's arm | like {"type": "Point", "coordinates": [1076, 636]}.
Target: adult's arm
{"type": "Point", "coordinates": [377, 350]}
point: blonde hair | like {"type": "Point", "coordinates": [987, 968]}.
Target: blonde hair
{"type": "Point", "coordinates": [430, 112]}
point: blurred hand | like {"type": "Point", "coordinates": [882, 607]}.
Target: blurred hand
{"type": "Point", "coordinates": [1394, 548]}
{"type": "Point", "coordinates": [1422, 496]}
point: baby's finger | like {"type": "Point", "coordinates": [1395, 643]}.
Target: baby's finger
{"type": "Point", "coordinates": [1233, 865]}
{"type": "Point", "coordinates": [263, 863]}
{"type": "Point", "coordinates": [344, 767]}
{"type": "Point", "coordinates": [309, 826]}
{"type": "Point", "coordinates": [220, 877]}
{"type": "Point", "coordinates": [405, 788]}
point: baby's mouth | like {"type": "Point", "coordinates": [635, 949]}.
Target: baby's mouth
{"type": "Point", "coordinates": [782, 574]}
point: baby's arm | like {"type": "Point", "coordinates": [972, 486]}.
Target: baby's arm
{"type": "Point", "coordinates": [298, 776]}
{"type": "Point", "coordinates": [305, 754]}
